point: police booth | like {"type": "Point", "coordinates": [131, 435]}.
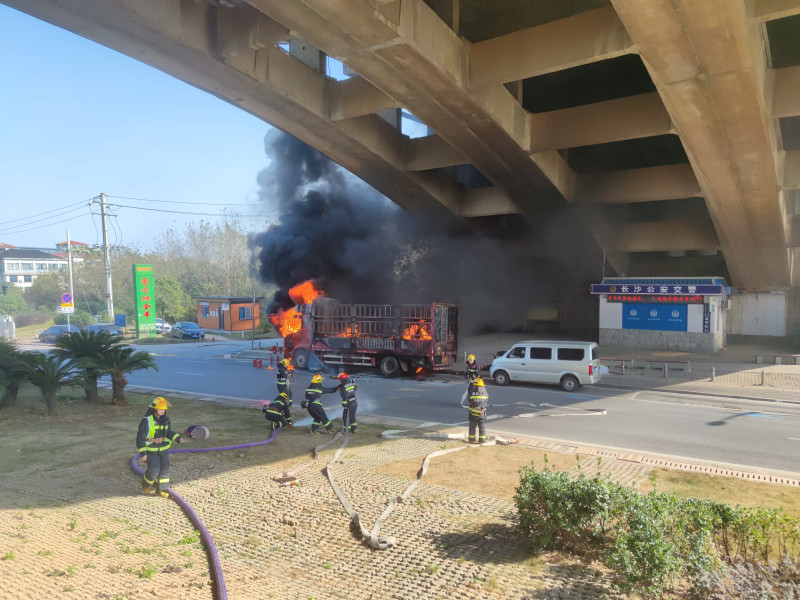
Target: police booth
{"type": "Point", "coordinates": [671, 313]}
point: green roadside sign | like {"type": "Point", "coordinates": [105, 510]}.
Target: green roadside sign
{"type": "Point", "coordinates": [144, 300]}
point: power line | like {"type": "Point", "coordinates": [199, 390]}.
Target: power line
{"type": "Point", "coordinates": [48, 225]}
{"type": "Point", "coordinates": [55, 216]}
{"type": "Point", "coordinates": [178, 201]}
{"type": "Point", "coordinates": [181, 212]}
{"type": "Point", "coordinates": [44, 213]}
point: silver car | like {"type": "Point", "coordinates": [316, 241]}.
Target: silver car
{"type": "Point", "coordinates": [162, 326]}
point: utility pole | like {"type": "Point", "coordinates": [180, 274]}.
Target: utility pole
{"type": "Point", "coordinates": [107, 261]}
{"type": "Point", "coordinates": [69, 264]}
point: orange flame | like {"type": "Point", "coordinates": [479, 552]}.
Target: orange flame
{"type": "Point", "coordinates": [287, 321]}
{"type": "Point", "coordinates": [304, 293]}
{"type": "Point", "coordinates": [416, 331]}
{"type": "Point", "coordinates": [350, 331]}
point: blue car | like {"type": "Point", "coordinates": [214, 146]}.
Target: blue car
{"type": "Point", "coordinates": [186, 330]}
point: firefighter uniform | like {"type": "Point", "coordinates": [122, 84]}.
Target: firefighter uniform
{"type": "Point", "coordinates": [285, 373]}
{"type": "Point", "coordinates": [313, 403]}
{"type": "Point", "coordinates": [472, 368]}
{"type": "Point", "coordinates": [153, 440]}
{"type": "Point", "coordinates": [478, 400]}
{"type": "Point", "coordinates": [347, 391]}
{"type": "Point", "coordinates": [277, 412]}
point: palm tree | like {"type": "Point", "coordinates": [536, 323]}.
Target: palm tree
{"type": "Point", "coordinates": [89, 348]}
{"type": "Point", "coordinates": [50, 373]}
{"type": "Point", "coordinates": [12, 373]}
{"type": "Point", "coordinates": [119, 361]}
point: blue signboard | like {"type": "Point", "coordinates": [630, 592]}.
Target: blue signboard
{"type": "Point", "coordinates": [643, 288]}
{"type": "Point", "coordinates": [661, 317]}
{"type": "Point", "coordinates": [119, 320]}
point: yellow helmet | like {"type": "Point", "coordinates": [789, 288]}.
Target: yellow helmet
{"type": "Point", "coordinates": [470, 358]}
{"type": "Point", "coordinates": [286, 362]}
{"type": "Point", "coordinates": [478, 381]}
{"type": "Point", "coordinates": [316, 378]}
{"type": "Point", "coordinates": [283, 395]}
{"type": "Point", "coordinates": [160, 404]}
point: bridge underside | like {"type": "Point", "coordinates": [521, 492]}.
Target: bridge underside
{"type": "Point", "coordinates": [646, 137]}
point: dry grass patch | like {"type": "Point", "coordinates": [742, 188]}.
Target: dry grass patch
{"type": "Point", "coordinates": [726, 489]}
{"type": "Point", "coordinates": [488, 470]}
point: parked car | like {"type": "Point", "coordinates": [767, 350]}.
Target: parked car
{"type": "Point", "coordinates": [162, 326]}
{"type": "Point", "coordinates": [188, 330]}
{"type": "Point", "coordinates": [51, 334]}
{"type": "Point", "coordinates": [113, 330]}
{"type": "Point", "coordinates": [568, 364]}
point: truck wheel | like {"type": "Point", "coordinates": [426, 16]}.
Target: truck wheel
{"type": "Point", "coordinates": [389, 366]}
{"type": "Point", "coordinates": [300, 358]}
{"type": "Point", "coordinates": [501, 378]}
{"type": "Point", "coordinates": [569, 383]}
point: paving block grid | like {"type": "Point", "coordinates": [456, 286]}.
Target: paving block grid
{"type": "Point", "coordinates": [274, 542]}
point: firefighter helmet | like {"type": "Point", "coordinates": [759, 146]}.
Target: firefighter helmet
{"type": "Point", "coordinates": [478, 381]}
{"type": "Point", "coordinates": [282, 395]}
{"type": "Point", "coordinates": [341, 376]}
{"type": "Point", "coordinates": [160, 404]}
{"type": "Point", "coordinates": [471, 358]}
{"type": "Point", "coordinates": [286, 362]}
{"type": "Point", "coordinates": [316, 378]}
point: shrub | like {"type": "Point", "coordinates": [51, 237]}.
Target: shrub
{"type": "Point", "coordinates": [27, 319]}
{"type": "Point", "coordinates": [648, 540]}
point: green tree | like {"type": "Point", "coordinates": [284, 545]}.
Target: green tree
{"type": "Point", "coordinates": [45, 292]}
{"type": "Point", "coordinates": [89, 350]}
{"type": "Point", "coordinates": [172, 302]}
{"type": "Point", "coordinates": [12, 301]}
{"type": "Point", "coordinates": [50, 373]}
{"type": "Point", "coordinates": [118, 362]}
{"type": "Point", "coordinates": [80, 318]}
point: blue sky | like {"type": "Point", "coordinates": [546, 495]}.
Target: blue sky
{"type": "Point", "coordinates": [77, 119]}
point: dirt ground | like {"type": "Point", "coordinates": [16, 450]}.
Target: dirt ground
{"type": "Point", "coordinates": [74, 524]}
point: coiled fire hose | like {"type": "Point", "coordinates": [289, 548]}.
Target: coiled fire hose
{"type": "Point", "coordinates": [220, 593]}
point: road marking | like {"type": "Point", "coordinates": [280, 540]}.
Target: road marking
{"type": "Point", "coordinates": [184, 373]}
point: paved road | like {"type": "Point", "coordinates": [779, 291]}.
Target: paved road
{"type": "Point", "coordinates": [755, 434]}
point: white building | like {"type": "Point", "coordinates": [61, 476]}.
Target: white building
{"type": "Point", "coordinates": [22, 266]}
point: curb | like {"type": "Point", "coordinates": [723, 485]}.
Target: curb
{"type": "Point", "coordinates": [694, 393]}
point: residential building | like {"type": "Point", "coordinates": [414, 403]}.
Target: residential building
{"type": "Point", "coordinates": [21, 266]}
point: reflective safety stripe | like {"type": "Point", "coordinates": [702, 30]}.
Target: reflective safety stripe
{"type": "Point", "coordinates": [156, 430]}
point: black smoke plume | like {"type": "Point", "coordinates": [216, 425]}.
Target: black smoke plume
{"type": "Point", "coordinates": [361, 248]}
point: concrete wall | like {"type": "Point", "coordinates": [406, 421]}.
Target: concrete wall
{"type": "Point", "coordinates": [757, 314]}
{"type": "Point", "coordinates": [662, 340]}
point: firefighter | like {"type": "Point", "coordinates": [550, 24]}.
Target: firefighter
{"type": "Point", "coordinates": [277, 412]}
{"type": "Point", "coordinates": [313, 404]}
{"type": "Point", "coordinates": [285, 373]}
{"type": "Point", "coordinates": [478, 400]}
{"type": "Point", "coordinates": [153, 440]}
{"type": "Point", "coordinates": [347, 391]}
{"type": "Point", "coordinates": [473, 371]}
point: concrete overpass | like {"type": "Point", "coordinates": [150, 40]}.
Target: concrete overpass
{"type": "Point", "coordinates": [665, 133]}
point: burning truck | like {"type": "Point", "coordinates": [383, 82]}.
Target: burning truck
{"type": "Point", "coordinates": [393, 338]}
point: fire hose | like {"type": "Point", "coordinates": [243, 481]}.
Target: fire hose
{"type": "Point", "coordinates": [568, 410]}
{"type": "Point", "coordinates": [220, 593]}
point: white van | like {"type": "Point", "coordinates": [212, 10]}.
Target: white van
{"type": "Point", "coordinates": [568, 364]}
